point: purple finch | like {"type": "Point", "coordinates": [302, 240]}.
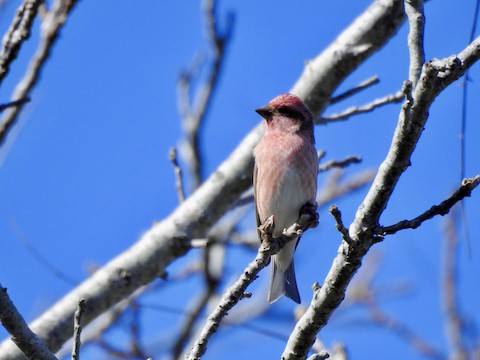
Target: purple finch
{"type": "Point", "coordinates": [285, 179]}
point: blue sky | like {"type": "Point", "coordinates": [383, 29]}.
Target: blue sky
{"type": "Point", "coordinates": [86, 170]}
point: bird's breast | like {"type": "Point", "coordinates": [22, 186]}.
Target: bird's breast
{"type": "Point", "coordinates": [286, 179]}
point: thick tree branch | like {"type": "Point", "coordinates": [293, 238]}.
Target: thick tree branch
{"type": "Point", "coordinates": [436, 76]}
{"type": "Point", "coordinates": [169, 239]}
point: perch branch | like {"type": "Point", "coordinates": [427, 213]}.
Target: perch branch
{"type": "Point", "coordinates": [269, 246]}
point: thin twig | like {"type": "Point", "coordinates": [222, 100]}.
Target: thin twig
{"type": "Point", "coordinates": [192, 318]}
{"type": "Point", "coordinates": [51, 26]}
{"type": "Point", "coordinates": [339, 163]}
{"type": "Point", "coordinates": [14, 103]}
{"type": "Point", "coordinates": [212, 280]}
{"type": "Point", "coordinates": [26, 340]}
{"type": "Point", "coordinates": [357, 110]}
{"type": "Point", "coordinates": [178, 174]}
{"type": "Point", "coordinates": [362, 86]}
{"type": "Point", "coordinates": [213, 271]}
{"type": "Point", "coordinates": [320, 356]}
{"type": "Point", "coordinates": [339, 223]}
{"type": "Point", "coordinates": [236, 292]}
{"type": "Point", "coordinates": [443, 208]}
{"type": "Point", "coordinates": [194, 113]}
{"type": "Point", "coordinates": [77, 330]}
{"type": "Point", "coordinates": [416, 20]}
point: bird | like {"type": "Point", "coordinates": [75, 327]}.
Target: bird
{"type": "Point", "coordinates": [284, 180]}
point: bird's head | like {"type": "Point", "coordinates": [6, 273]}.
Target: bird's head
{"type": "Point", "coordinates": [287, 113]}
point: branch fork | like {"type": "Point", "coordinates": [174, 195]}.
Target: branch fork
{"type": "Point", "coordinates": [270, 246]}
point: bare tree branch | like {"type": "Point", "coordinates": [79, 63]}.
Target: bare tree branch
{"type": "Point", "coordinates": [26, 340]}
{"type": "Point", "coordinates": [51, 26]}
{"type": "Point", "coordinates": [416, 20]}
{"type": "Point", "coordinates": [18, 32]}
{"type": "Point", "coordinates": [194, 114]}
{"type": "Point", "coordinates": [320, 356]}
{"type": "Point", "coordinates": [443, 208]}
{"type": "Point", "coordinates": [77, 330]}
{"type": "Point", "coordinates": [358, 110]}
{"type": "Point", "coordinates": [362, 86]}
{"type": "Point", "coordinates": [178, 175]}
{"type": "Point", "coordinates": [339, 163]}
{"type": "Point", "coordinates": [436, 76]}
{"type": "Point", "coordinates": [340, 227]}
{"type": "Point", "coordinates": [365, 35]}
{"type": "Point", "coordinates": [213, 259]}
{"type": "Point", "coordinates": [270, 246]}
{"type": "Point", "coordinates": [14, 103]}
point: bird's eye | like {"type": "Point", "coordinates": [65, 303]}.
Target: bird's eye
{"type": "Point", "coordinates": [287, 111]}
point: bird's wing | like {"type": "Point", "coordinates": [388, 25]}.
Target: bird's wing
{"type": "Point", "coordinates": [257, 217]}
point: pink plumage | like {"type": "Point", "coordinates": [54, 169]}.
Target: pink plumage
{"type": "Point", "coordinates": [285, 179]}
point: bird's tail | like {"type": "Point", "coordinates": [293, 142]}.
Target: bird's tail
{"type": "Point", "coordinates": [283, 283]}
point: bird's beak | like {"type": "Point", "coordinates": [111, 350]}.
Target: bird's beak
{"type": "Point", "coordinates": [264, 111]}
